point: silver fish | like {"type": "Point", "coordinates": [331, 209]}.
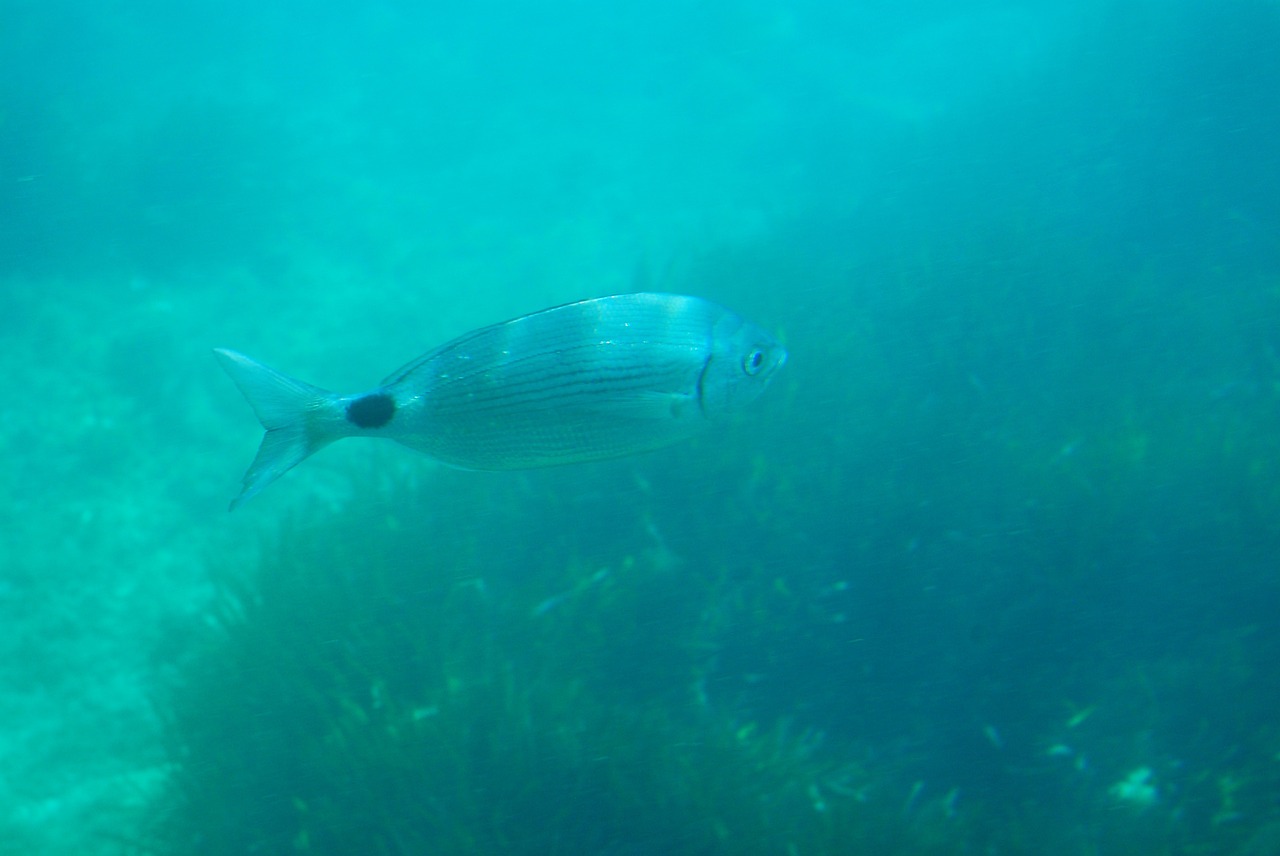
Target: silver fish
{"type": "Point", "coordinates": [596, 379]}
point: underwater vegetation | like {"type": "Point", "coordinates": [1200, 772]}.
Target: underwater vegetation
{"type": "Point", "coordinates": [395, 684]}
{"type": "Point", "coordinates": [734, 647]}
{"type": "Point", "coordinates": [994, 607]}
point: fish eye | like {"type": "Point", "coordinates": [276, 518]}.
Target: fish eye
{"type": "Point", "coordinates": [753, 362]}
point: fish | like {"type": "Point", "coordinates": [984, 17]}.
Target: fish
{"type": "Point", "coordinates": [586, 381]}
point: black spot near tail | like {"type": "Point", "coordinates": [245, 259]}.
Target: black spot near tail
{"type": "Point", "coordinates": [371, 411]}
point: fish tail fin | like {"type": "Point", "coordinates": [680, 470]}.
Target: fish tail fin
{"type": "Point", "coordinates": [292, 412]}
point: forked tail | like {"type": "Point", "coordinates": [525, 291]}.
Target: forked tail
{"type": "Point", "coordinates": [294, 414]}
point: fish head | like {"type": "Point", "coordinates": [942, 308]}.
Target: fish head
{"type": "Point", "coordinates": [744, 358]}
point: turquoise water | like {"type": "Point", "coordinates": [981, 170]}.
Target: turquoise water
{"type": "Point", "coordinates": [989, 568]}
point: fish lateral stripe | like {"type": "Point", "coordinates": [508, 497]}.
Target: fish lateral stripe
{"type": "Point", "coordinates": [570, 387]}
